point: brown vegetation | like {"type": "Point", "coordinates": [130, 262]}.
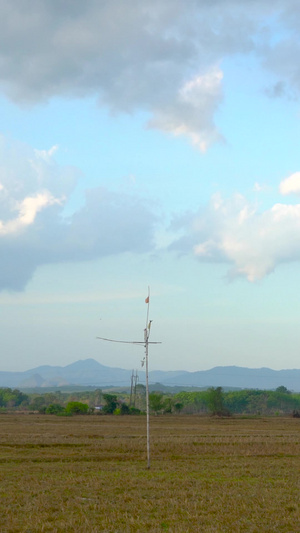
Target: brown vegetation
{"type": "Point", "coordinates": [88, 474]}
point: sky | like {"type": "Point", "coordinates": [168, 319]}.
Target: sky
{"type": "Point", "coordinates": [150, 144]}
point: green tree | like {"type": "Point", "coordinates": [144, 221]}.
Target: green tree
{"type": "Point", "coordinates": [237, 401]}
{"type": "Point", "coordinates": [111, 403]}
{"type": "Point", "coordinates": [124, 409]}
{"type": "Point", "coordinates": [178, 406]}
{"type": "Point", "coordinates": [97, 397]}
{"type": "Point", "coordinates": [167, 405]}
{"type": "Point", "coordinates": [283, 390]}
{"type": "Point", "coordinates": [77, 408]}
{"type": "Point", "coordinates": [156, 402]}
{"type": "Point", "coordinates": [134, 411]}
{"type": "Point", "coordinates": [38, 403]}
{"type": "Point", "coordinates": [215, 402]}
{"type": "Point", "coordinates": [12, 398]}
{"type": "Point", "coordinates": [54, 409]}
{"type": "Point", "coordinates": [193, 402]}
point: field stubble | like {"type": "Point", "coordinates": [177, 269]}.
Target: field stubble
{"type": "Point", "coordinates": [88, 474]}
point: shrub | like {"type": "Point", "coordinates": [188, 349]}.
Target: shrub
{"type": "Point", "coordinates": [77, 408]}
{"type": "Point", "coordinates": [134, 411]}
{"type": "Point", "coordinates": [54, 409]}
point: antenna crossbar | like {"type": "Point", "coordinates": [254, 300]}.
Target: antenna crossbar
{"type": "Point", "coordinates": [142, 343]}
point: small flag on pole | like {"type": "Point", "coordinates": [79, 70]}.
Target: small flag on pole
{"type": "Point", "coordinates": [147, 300]}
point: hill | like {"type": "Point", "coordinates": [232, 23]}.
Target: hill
{"type": "Point", "coordinates": [89, 372]}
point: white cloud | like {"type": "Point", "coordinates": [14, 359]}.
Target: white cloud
{"type": "Point", "coordinates": [237, 232]}
{"type": "Point", "coordinates": [191, 113]}
{"type": "Point", "coordinates": [33, 230]}
{"type": "Point", "coordinates": [28, 209]}
{"type": "Point", "coordinates": [46, 154]}
{"type": "Point", "coordinates": [290, 185]}
{"type": "Point", "coordinates": [257, 187]}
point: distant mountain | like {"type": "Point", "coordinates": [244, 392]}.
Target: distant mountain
{"type": "Point", "coordinates": [241, 377]}
{"type": "Point", "coordinates": [91, 373]}
{"type": "Point", "coordinates": [87, 372]}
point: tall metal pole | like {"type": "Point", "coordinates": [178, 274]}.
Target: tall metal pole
{"type": "Point", "coordinates": [146, 334]}
{"type": "Point", "coordinates": [147, 406]}
{"type": "Point", "coordinates": [146, 343]}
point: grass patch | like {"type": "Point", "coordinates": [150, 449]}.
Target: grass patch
{"type": "Point", "coordinates": [89, 474]}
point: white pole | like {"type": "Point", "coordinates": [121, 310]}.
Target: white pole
{"type": "Point", "coordinates": [147, 407]}
{"type": "Point", "coordinates": [147, 333]}
{"type": "Point", "coordinates": [145, 342]}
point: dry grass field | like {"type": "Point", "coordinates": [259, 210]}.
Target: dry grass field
{"type": "Point", "coordinates": [88, 474]}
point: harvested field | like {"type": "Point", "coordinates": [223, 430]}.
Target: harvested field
{"type": "Point", "coordinates": [88, 474]}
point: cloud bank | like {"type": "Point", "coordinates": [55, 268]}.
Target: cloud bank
{"type": "Point", "coordinates": [33, 229]}
{"type": "Point", "coordinates": [163, 57]}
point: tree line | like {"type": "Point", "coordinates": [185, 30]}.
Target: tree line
{"type": "Point", "coordinates": [241, 402]}
{"type": "Point", "coordinates": [213, 401]}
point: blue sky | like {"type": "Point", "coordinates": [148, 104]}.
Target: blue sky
{"type": "Point", "coordinates": [150, 144]}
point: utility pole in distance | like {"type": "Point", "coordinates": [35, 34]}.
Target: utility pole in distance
{"type": "Point", "coordinates": [131, 389]}
{"type": "Point", "coordinates": [144, 343]}
{"type": "Point", "coordinates": [134, 380]}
